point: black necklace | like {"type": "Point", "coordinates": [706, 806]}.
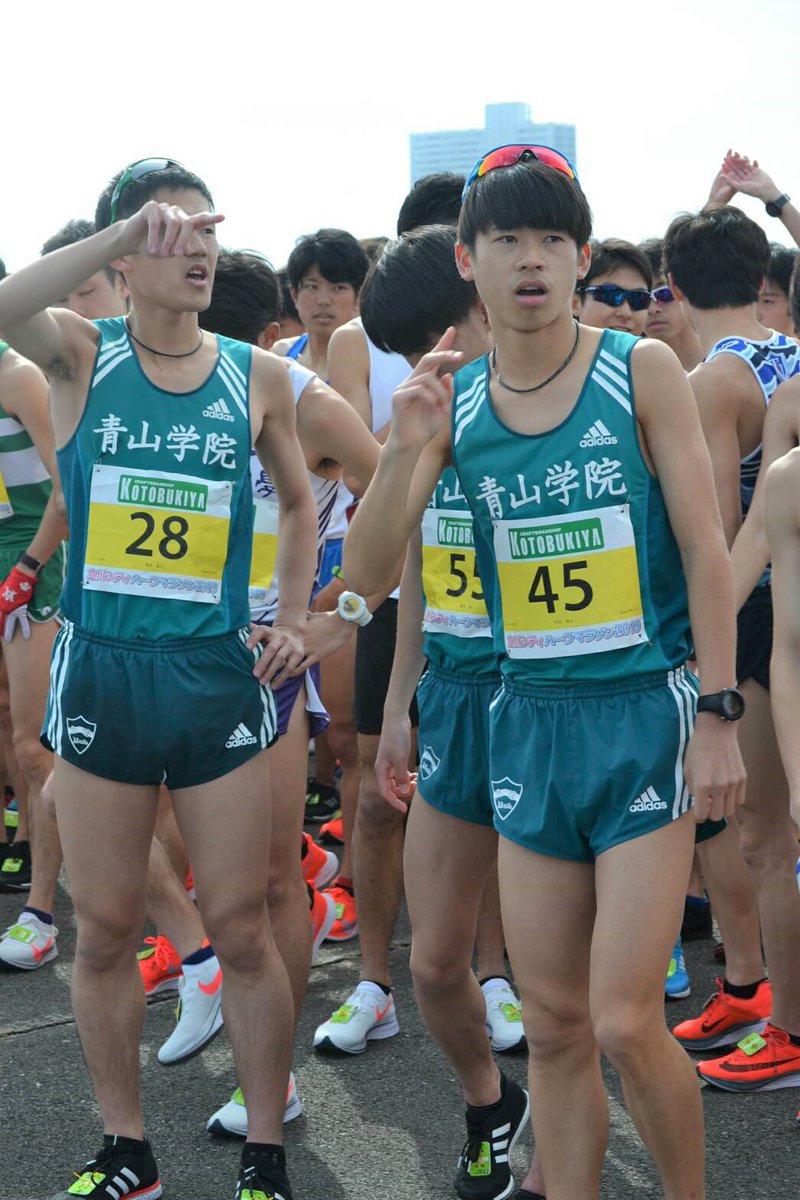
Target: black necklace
{"type": "Point", "coordinates": [164, 353]}
{"type": "Point", "coordinates": [537, 387]}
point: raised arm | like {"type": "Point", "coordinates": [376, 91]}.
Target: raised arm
{"type": "Point", "coordinates": [752, 180]}
{"type": "Point", "coordinates": [411, 461]}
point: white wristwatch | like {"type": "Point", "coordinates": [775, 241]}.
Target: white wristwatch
{"type": "Point", "coordinates": [352, 607]}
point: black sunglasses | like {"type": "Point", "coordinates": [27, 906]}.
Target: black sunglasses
{"type": "Point", "coordinates": [134, 171]}
{"type": "Point", "coordinates": [615, 297]}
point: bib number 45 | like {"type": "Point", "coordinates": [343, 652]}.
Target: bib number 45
{"type": "Point", "coordinates": [542, 590]}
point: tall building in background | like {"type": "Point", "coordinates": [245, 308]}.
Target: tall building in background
{"type": "Point", "coordinates": [457, 149]}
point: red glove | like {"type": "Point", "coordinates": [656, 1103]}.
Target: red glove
{"type": "Point", "coordinates": [16, 591]}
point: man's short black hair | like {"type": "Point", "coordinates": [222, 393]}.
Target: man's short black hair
{"type": "Point", "coordinates": [653, 250]}
{"type": "Point", "coordinates": [433, 200]}
{"type": "Point", "coordinates": [717, 257]}
{"type": "Point", "coordinates": [373, 247]}
{"type": "Point", "coordinates": [76, 230]}
{"type": "Point", "coordinates": [139, 191]}
{"type": "Point", "coordinates": [527, 195]}
{"type": "Point", "coordinates": [288, 310]}
{"type": "Point", "coordinates": [245, 297]}
{"type": "Point", "coordinates": [794, 295]}
{"type": "Point", "coordinates": [414, 292]}
{"type": "Point", "coordinates": [781, 265]}
{"type": "Point", "coordinates": [337, 255]}
{"type": "Point", "coordinates": [614, 253]}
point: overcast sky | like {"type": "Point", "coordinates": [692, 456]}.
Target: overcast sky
{"type": "Point", "coordinates": [299, 116]}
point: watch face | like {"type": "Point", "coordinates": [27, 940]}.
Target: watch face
{"type": "Point", "coordinates": [351, 606]}
{"type": "Point", "coordinates": [732, 705]}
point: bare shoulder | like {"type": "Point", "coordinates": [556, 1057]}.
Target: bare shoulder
{"type": "Point", "coordinates": [283, 346]}
{"type": "Point", "coordinates": [726, 381]}
{"type": "Point", "coordinates": [269, 379]}
{"type": "Point", "coordinates": [783, 479]}
{"type": "Point", "coordinates": [349, 341]}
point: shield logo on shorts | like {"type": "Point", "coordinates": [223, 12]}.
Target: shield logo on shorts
{"type": "Point", "coordinates": [428, 762]}
{"type": "Point", "coordinates": [506, 795]}
{"type": "Point", "coordinates": [81, 733]}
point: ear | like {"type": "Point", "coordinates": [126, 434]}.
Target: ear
{"type": "Point", "coordinates": [269, 335]}
{"type": "Point", "coordinates": [673, 287]}
{"type": "Point", "coordinates": [464, 262]}
{"type": "Point", "coordinates": [576, 305]}
{"type": "Point", "coordinates": [584, 261]}
{"type": "Point", "coordinates": [123, 265]}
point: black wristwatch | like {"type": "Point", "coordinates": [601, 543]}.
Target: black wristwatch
{"type": "Point", "coordinates": [728, 704]}
{"type": "Point", "coordinates": [775, 207]}
{"type": "Point", "coordinates": [30, 562]}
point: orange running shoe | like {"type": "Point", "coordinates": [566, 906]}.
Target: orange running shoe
{"type": "Point", "coordinates": [160, 966]}
{"type": "Point", "coordinates": [319, 866]}
{"type": "Point", "coordinates": [332, 832]}
{"type": "Point", "coordinates": [761, 1062]}
{"type": "Point", "coordinates": [346, 925]}
{"type": "Point", "coordinates": [323, 916]}
{"type": "Point", "coordinates": [725, 1019]}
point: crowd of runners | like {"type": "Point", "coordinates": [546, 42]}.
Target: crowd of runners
{"type": "Point", "coordinates": [562, 467]}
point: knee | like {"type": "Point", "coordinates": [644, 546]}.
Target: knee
{"type": "Point", "coordinates": [437, 968]}
{"type": "Point", "coordinates": [768, 847]}
{"type": "Point", "coordinates": [35, 762]}
{"type": "Point", "coordinates": [239, 939]}
{"type": "Point", "coordinates": [48, 797]}
{"type": "Point", "coordinates": [286, 885]}
{"type": "Point", "coordinates": [106, 941]}
{"type": "Point", "coordinates": [554, 1025]}
{"type": "Point", "coordinates": [624, 1032]}
{"type": "Point", "coordinates": [342, 743]}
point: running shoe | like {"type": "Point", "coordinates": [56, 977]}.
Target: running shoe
{"type": "Point", "coordinates": [322, 802]}
{"type": "Point", "coordinates": [319, 866]}
{"type": "Point", "coordinates": [231, 1119]}
{"type": "Point", "coordinates": [121, 1169]}
{"type": "Point", "coordinates": [761, 1062]}
{"type": "Point", "coordinates": [524, 1194]}
{"type": "Point", "coordinates": [10, 815]}
{"type": "Point", "coordinates": [28, 944]}
{"type": "Point", "coordinates": [265, 1179]}
{"type": "Point", "coordinates": [323, 916]}
{"type": "Point", "coordinates": [676, 984]}
{"type": "Point", "coordinates": [15, 868]}
{"type": "Point", "coordinates": [484, 1171]}
{"type": "Point", "coordinates": [160, 965]}
{"type": "Point", "coordinates": [725, 1019]}
{"type": "Point", "coordinates": [188, 882]}
{"type": "Point", "coordinates": [367, 1015]}
{"type": "Point", "coordinates": [332, 832]}
{"type": "Point", "coordinates": [345, 926]}
{"type": "Point", "coordinates": [503, 1016]}
{"type": "Point", "coordinates": [199, 1011]}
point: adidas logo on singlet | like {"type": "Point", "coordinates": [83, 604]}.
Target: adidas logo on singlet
{"type": "Point", "coordinates": [218, 411]}
{"type": "Point", "coordinates": [649, 801]}
{"type": "Point", "coordinates": [598, 435]}
{"type": "Point", "coordinates": [241, 736]}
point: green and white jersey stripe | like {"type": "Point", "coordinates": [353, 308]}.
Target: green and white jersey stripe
{"type": "Point", "coordinates": [25, 484]}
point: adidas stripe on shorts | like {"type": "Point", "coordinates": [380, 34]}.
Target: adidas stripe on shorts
{"type": "Point", "coordinates": [179, 712]}
{"type": "Point", "coordinates": [596, 765]}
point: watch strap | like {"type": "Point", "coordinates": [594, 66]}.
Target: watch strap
{"type": "Point", "coordinates": [27, 560]}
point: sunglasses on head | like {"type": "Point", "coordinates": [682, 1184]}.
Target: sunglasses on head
{"type": "Point", "coordinates": [137, 170]}
{"type": "Point", "coordinates": [606, 293]}
{"type": "Point", "coordinates": [508, 156]}
{"type": "Point", "coordinates": [662, 295]}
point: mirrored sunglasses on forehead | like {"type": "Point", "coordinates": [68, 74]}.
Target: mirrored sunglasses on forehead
{"type": "Point", "coordinates": [638, 299]}
{"type": "Point", "coordinates": [133, 172]}
{"type": "Point", "coordinates": [508, 156]}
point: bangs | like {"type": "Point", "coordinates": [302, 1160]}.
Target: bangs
{"type": "Point", "coordinates": [526, 195]}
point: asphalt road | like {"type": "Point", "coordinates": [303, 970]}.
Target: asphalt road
{"type": "Point", "coordinates": [387, 1125]}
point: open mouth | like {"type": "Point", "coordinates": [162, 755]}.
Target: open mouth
{"type": "Point", "coordinates": [198, 274]}
{"type": "Point", "coordinates": [530, 289]}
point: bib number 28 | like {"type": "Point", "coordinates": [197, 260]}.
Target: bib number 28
{"type": "Point", "coordinates": [171, 544]}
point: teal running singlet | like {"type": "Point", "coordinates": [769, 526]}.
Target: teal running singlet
{"type": "Point", "coordinates": [157, 487]}
{"type": "Point", "coordinates": [582, 574]}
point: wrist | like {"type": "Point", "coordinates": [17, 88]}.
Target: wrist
{"type": "Point", "coordinates": [26, 564]}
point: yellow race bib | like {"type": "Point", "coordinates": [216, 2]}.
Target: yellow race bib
{"type": "Point", "coordinates": [265, 550]}
{"type": "Point", "coordinates": [6, 509]}
{"type": "Point", "coordinates": [569, 586]}
{"type": "Point", "coordinates": [453, 592]}
{"type": "Point", "coordinates": [157, 534]}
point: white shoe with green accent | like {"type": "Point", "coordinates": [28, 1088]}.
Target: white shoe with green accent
{"type": "Point", "coordinates": [367, 1015]}
{"type": "Point", "coordinates": [28, 944]}
{"type": "Point", "coordinates": [503, 1016]}
{"type": "Point", "coordinates": [231, 1119]}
